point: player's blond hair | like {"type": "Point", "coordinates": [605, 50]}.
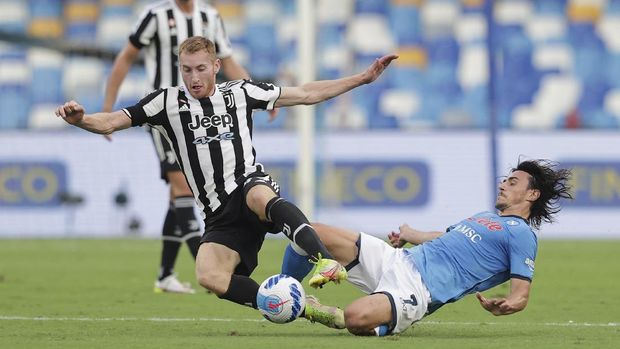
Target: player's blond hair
{"type": "Point", "coordinates": [196, 44]}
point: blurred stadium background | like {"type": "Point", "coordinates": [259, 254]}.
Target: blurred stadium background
{"type": "Point", "coordinates": [477, 85]}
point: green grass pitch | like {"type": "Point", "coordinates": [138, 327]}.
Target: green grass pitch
{"type": "Point", "coordinates": [98, 294]}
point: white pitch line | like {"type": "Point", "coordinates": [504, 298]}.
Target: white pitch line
{"type": "Point", "coordinates": [207, 319]}
{"type": "Point", "coordinates": [102, 319]}
{"type": "Point", "coordinates": [551, 324]}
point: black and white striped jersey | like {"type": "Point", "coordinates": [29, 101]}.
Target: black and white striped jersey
{"type": "Point", "coordinates": [161, 29]}
{"type": "Point", "coordinates": [212, 136]}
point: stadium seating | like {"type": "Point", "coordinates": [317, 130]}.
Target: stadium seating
{"type": "Point", "coordinates": [442, 79]}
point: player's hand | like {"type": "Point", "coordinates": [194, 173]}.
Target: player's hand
{"type": "Point", "coordinates": [72, 112]}
{"type": "Point", "coordinates": [408, 234]}
{"type": "Point", "coordinates": [273, 114]}
{"type": "Point", "coordinates": [395, 240]}
{"type": "Point", "coordinates": [496, 306]}
{"type": "Point", "coordinates": [377, 67]}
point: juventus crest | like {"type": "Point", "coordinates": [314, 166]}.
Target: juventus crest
{"type": "Point", "coordinates": [229, 98]}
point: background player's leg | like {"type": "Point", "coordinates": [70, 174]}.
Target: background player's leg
{"type": "Point", "coordinates": [171, 232]}
{"type": "Point", "coordinates": [184, 211]}
{"type": "Point", "coordinates": [170, 244]}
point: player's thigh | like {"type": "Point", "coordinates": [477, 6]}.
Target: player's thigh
{"type": "Point", "coordinates": [214, 255]}
{"type": "Point", "coordinates": [178, 184]}
{"type": "Point", "coordinates": [366, 313]}
{"type": "Point", "coordinates": [340, 242]}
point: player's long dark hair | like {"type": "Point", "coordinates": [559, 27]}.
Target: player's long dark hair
{"type": "Point", "coordinates": [552, 182]}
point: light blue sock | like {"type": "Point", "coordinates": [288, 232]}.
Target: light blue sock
{"type": "Point", "coordinates": [295, 264]}
{"type": "Point", "coordinates": [381, 330]}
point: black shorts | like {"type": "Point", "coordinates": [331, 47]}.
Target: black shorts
{"type": "Point", "coordinates": [165, 154]}
{"type": "Point", "coordinates": [235, 226]}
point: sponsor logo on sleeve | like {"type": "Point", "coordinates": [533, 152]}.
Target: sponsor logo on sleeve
{"type": "Point", "coordinates": [530, 263]}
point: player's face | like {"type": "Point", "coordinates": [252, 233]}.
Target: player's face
{"type": "Point", "coordinates": [514, 191]}
{"type": "Point", "coordinates": [198, 70]}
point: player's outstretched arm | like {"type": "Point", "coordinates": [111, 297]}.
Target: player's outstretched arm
{"type": "Point", "coordinates": [103, 123]}
{"type": "Point", "coordinates": [407, 234]}
{"type": "Point", "coordinates": [516, 301]}
{"type": "Point", "coordinates": [319, 91]}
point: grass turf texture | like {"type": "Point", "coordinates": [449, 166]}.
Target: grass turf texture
{"type": "Point", "coordinates": [98, 294]}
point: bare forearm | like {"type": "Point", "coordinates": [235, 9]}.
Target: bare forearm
{"type": "Point", "coordinates": [101, 123]}
{"type": "Point", "coordinates": [417, 237]}
{"type": "Point", "coordinates": [515, 302]}
{"type": "Point", "coordinates": [319, 91]}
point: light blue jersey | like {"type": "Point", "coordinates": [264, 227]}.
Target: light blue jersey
{"type": "Point", "coordinates": [476, 254]}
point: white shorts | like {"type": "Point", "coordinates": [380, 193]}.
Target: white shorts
{"type": "Point", "coordinates": [384, 269]}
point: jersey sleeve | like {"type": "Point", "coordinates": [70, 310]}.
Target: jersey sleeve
{"type": "Point", "coordinates": [144, 30]}
{"type": "Point", "coordinates": [523, 246]}
{"type": "Point", "coordinates": [149, 110]}
{"type": "Point", "coordinates": [261, 95]}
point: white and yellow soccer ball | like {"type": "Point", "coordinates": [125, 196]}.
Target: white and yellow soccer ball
{"type": "Point", "coordinates": [281, 298]}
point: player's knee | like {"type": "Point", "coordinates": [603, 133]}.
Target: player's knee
{"type": "Point", "coordinates": [357, 320]}
{"type": "Point", "coordinates": [257, 199]}
{"type": "Point", "coordinates": [214, 281]}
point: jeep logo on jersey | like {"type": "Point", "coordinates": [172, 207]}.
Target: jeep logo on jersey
{"type": "Point", "coordinates": [204, 121]}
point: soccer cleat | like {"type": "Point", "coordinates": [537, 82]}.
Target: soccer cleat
{"type": "Point", "coordinates": [332, 317]}
{"type": "Point", "coordinates": [327, 270]}
{"type": "Point", "coordinates": [171, 284]}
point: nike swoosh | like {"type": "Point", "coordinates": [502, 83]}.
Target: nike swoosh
{"type": "Point", "coordinates": [276, 305]}
{"type": "Point", "coordinates": [330, 273]}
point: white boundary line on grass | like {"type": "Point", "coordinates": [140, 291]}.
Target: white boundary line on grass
{"type": "Point", "coordinates": [551, 324]}
{"type": "Point", "coordinates": [103, 319]}
{"type": "Point", "coordinates": [206, 319]}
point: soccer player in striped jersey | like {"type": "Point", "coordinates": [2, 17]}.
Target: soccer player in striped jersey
{"type": "Point", "coordinates": [159, 31]}
{"type": "Point", "coordinates": [474, 255]}
{"type": "Point", "coordinates": [210, 129]}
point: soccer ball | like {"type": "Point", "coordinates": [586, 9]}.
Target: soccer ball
{"type": "Point", "coordinates": [281, 298]}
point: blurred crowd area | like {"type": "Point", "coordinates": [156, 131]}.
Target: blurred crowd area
{"type": "Point", "coordinates": [557, 62]}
